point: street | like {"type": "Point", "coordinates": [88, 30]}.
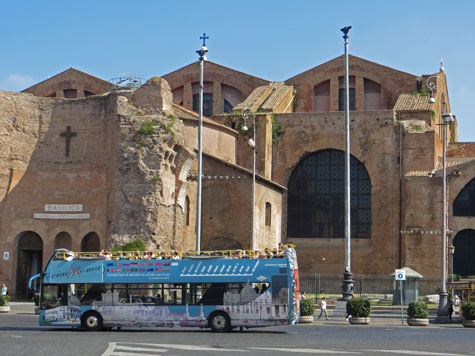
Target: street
{"type": "Point", "coordinates": [21, 335]}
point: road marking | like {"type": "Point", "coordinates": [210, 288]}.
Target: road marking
{"type": "Point", "coordinates": [118, 353]}
{"type": "Point", "coordinates": [410, 352]}
{"type": "Point", "coordinates": [127, 348]}
{"type": "Point", "coordinates": [117, 349]}
{"type": "Point", "coordinates": [194, 347]}
{"type": "Point", "coordinates": [306, 351]}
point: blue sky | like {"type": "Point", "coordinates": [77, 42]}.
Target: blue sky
{"type": "Point", "coordinates": [274, 40]}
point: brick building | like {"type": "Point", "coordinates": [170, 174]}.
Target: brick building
{"type": "Point", "coordinates": [396, 165]}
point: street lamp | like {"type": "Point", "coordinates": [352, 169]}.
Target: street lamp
{"type": "Point", "coordinates": [447, 119]}
{"type": "Point", "coordinates": [452, 252]}
{"type": "Point", "coordinates": [248, 114]}
{"type": "Point", "coordinates": [347, 285]}
{"type": "Point", "coordinates": [202, 54]}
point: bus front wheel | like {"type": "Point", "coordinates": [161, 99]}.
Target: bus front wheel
{"type": "Point", "coordinates": [219, 322]}
{"type": "Point", "coordinates": [92, 321]}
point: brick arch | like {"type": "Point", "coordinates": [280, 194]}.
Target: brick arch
{"type": "Point", "coordinates": [91, 242]}
{"type": "Point", "coordinates": [28, 259]}
{"type": "Point", "coordinates": [63, 240]}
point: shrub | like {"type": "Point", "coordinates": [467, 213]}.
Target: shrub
{"type": "Point", "coordinates": [136, 245]}
{"type": "Point", "coordinates": [358, 307]}
{"type": "Point", "coordinates": [147, 128]}
{"type": "Point", "coordinates": [307, 307]}
{"type": "Point", "coordinates": [417, 310]}
{"type": "Point", "coordinates": [468, 310]}
{"type": "Point", "coordinates": [4, 299]}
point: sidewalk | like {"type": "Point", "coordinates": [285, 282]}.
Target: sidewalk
{"type": "Point", "coordinates": [385, 316]}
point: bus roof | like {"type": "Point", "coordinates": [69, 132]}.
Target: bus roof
{"type": "Point", "coordinates": [196, 270]}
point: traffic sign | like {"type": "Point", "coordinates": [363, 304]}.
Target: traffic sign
{"type": "Point", "coordinates": [400, 275]}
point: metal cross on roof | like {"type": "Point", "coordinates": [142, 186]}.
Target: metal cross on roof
{"type": "Point", "coordinates": [204, 38]}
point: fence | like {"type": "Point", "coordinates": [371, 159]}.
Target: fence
{"type": "Point", "coordinates": [378, 288]}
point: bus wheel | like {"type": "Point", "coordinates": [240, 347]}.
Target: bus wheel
{"type": "Point", "coordinates": [219, 322]}
{"type": "Point", "coordinates": [92, 321]}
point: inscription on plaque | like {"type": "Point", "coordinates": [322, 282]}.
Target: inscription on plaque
{"type": "Point", "coordinates": [62, 212]}
{"type": "Point", "coordinates": [62, 216]}
{"type": "Point", "coordinates": [63, 207]}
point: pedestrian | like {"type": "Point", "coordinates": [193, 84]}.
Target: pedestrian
{"type": "Point", "coordinates": [303, 296]}
{"type": "Point", "coordinates": [450, 305]}
{"type": "Point", "coordinates": [4, 289]}
{"type": "Point", "coordinates": [323, 307]}
{"type": "Point", "coordinates": [456, 304]}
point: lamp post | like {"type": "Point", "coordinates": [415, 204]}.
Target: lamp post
{"type": "Point", "coordinates": [248, 114]}
{"type": "Point", "coordinates": [452, 252]}
{"type": "Point", "coordinates": [447, 119]}
{"type": "Point", "coordinates": [347, 285]}
{"type": "Point", "coordinates": [202, 54]}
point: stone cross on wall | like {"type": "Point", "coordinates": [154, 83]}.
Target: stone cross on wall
{"type": "Point", "coordinates": [68, 134]}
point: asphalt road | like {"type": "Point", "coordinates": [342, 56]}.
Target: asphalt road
{"type": "Point", "coordinates": [21, 335]}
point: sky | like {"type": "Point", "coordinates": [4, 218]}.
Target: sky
{"type": "Point", "coordinates": [270, 39]}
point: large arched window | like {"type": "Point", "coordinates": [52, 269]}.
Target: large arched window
{"type": "Point", "coordinates": [464, 243]}
{"type": "Point", "coordinates": [464, 204]}
{"type": "Point", "coordinates": [316, 197]}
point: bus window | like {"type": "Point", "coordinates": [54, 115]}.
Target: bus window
{"type": "Point", "coordinates": [54, 296]}
{"type": "Point", "coordinates": [214, 294]}
{"type": "Point", "coordinates": [280, 290]}
{"type": "Point", "coordinates": [93, 293]}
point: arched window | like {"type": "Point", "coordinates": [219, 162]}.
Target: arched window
{"type": "Point", "coordinates": [315, 205]}
{"type": "Point", "coordinates": [187, 211]}
{"type": "Point", "coordinates": [268, 214]}
{"type": "Point", "coordinates": [464, 243]}
{"type": "Point", "coordinates": [464, 204]}
{"type": "Point", "coordinates": [207, 104]}
{"type": "Point", "coordinates": [321, 94]}
{"type": "Point", "coordinates": [341, 93]}
{"type": "Point", "coordinates": [372, 95]}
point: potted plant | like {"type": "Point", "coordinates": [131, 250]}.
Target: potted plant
{"type": "Point", "coordinates": [4, 303]}
{"type": "Point", "coordinates": [418, 314]}
{"type": "Point", "coordinates": [307, 309]}
{"type": "Point", "coordinates": [358, 311]}
{"type": "Point", "coordinates": [468, 312]}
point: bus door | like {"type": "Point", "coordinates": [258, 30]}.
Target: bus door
{"type": "Point", "coordinates": [280, 297]}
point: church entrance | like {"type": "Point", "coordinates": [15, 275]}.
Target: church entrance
{"type": "Point", "coordinates": [464, 243]}
{"type": "Point", "coordinates": [29, 253]}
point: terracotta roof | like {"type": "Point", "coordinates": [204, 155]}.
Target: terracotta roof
{"type": "Point", "coordinates": [410, 102]}
{"type": "Point", "coordinates": [457, 145]}
{"type": "Point", "coordinates": [265, 98]}
{"type": "Point", "coordinates": [451, 163]}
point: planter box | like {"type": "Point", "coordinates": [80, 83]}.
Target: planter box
{"type": "Point", "coordinates": [468, 323]}
{"type": "Point", "coordinates": [418, 321]}
{"type": "Point", "coordinates": [359, 321]}
{"type": "Point", "coordinates": [4, 309]}
{"type": "Point", "coordinates": [304, 319]}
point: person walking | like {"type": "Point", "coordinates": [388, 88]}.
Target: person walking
{"type": "Point", "coordinates": [323, 307]}
{"type": "Point", "coordinates": [4, 289]}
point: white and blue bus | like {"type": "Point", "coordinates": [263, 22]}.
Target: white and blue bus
{"type": "Point", "coordinates": [219, 291]}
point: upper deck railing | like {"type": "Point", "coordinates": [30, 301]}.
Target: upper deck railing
{"type": "Point", "coordinates": [172, 254]}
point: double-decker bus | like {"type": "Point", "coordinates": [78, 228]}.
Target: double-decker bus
{"type": "Point", "coordinates": [216, 290]}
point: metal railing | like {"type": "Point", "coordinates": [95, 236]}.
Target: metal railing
{"type": "Point", "coordinates": [378, 288]}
